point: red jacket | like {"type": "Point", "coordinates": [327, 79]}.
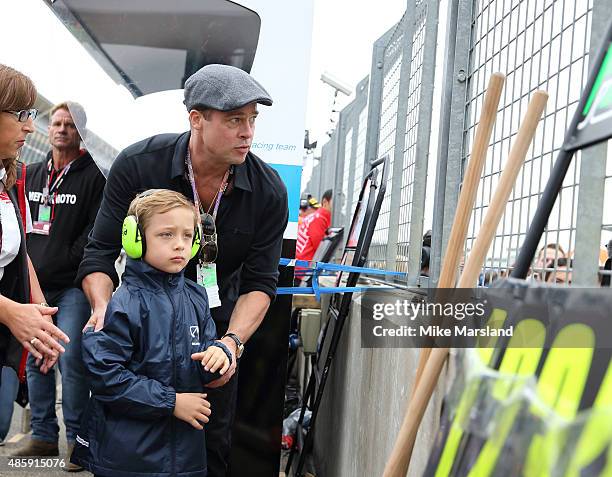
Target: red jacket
{"type": "Point", "coordinates": [310, 233]}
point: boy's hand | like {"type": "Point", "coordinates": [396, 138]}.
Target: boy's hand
{"type": "Point", "coordinates": [223, 380]}
{"type": "Point", "coordinates": [192, 408]}
{"type": "Point", "coordinates": [213, 359]}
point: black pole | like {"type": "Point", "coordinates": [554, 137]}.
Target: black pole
{"type": "Point", "coordinates": [540, 219]}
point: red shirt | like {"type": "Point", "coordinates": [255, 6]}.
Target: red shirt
{"type": "Point", "coordinates": [311, 231]}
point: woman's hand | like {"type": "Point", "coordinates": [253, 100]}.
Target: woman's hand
{"type": "Point", "coordinates": [33, 327]}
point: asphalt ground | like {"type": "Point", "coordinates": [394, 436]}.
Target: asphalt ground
{"type": "Point", "coordinates": [30, 466]}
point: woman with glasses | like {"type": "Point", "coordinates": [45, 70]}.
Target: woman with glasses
{"type": "Point", "coordinates": [21, 324]}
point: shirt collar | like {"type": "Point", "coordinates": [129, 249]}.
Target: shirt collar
{"type": "Point", "coordinates": [241, 175]}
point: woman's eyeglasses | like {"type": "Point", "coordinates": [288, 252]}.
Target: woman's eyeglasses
{"type": "Point", "coordinates": [208, 246]}
{"type": "Point", "coordinates": [23, 115]}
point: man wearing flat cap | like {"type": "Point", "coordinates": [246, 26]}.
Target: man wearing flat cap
{"type": "Point", "coordinates": [241, 245]}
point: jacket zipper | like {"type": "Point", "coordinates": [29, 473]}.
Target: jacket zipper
{"type": "Point", "coordinates": [173, 422]}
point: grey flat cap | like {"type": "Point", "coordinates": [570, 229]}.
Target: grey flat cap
{"type": "Point", "coordinates": [224, 88]}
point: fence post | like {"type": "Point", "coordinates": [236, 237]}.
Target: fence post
{"type": "Point", "coordinates": [377, 252]}
{"type": "Point", "coordinates": [457, 117]}
{"type": "Point", "coordinates": [448, 80]}
{"type": "Point", "coordinates": [350, 178]}
{"type": "Point", "coordinates": [423, 137]}
{"type": "Point", "coordinates": [592, 180]}
{"type": "Point", "coordinates": [357, 167]}
{"type": "Point", "coordinates": [408, 26]}
{"type": "Point", "coordinates": [337, 173]}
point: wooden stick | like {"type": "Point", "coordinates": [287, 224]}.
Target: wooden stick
{"type": "Point", "coordinates": [467, 197]}
{"type": "Point", "coordinates": [397, 466]}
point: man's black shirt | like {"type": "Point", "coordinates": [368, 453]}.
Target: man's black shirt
{"type": "Point", "coordinates": [252, 217]}
{"type": "Point", "coordinates": [56, 256]}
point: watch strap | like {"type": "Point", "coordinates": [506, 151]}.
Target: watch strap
{"type": "Point", "coordinates": [239, 344]}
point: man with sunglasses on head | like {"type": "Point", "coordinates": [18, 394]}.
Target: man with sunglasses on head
{"type": "Point", "coordinates": [243, 211]}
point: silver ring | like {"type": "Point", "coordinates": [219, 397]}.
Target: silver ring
{"type": "Point", "coordinates": [33, 340]}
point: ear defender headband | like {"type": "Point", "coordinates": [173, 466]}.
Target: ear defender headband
{"type": "Point", "coordinates": [134, 242]}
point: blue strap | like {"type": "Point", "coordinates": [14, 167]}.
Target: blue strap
{"type": "Point", "coordinates": [321, 290]}
{"type": "Point", "coordinates": [334, 267]}
{"type": "Point", "coordinates": [317, 269]}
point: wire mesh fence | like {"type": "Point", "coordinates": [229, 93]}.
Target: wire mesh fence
{"type": "Point", "coordinates": [537, 44]}
{"type": "Point", "coordinates": [391, 72]}
{"type": "Point", "coordinates": [409, 154]}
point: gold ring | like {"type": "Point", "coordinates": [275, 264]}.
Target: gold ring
{"type": "Point", "coordinates": [33, 340]}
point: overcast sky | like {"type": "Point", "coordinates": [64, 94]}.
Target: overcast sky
{"type": "Point", "coordinates": [342, 38]}
{"type": "Point", "coordinates": [344, 32]}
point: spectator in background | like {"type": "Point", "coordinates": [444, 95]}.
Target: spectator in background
{"type": "Point", "coordinates": [313, 204]}
{"type": "Point", "coordinates": [64, 193]}
{"type": "Point", "coordinates": [605, 278]}
{"type": "Point", "coordinates": [313, 229]}
{"type": "Point", "coordinates": [562, 273]}
{"type": "Point", "coordinates": [487, 277]}
{"type": "Point", "coordinates": [308, 207]}
{"type": "Point", "coordinates": [545, 260]}
{"type": "Point", "coordinates": [426, 254]}
{"type": "Point", "coordinates": [303, 210]}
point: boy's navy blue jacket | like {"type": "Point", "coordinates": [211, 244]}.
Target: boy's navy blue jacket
{"type": "Point", "coordinates": [137, 362]}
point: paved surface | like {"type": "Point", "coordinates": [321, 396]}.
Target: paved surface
{"type": "Point", "coordinates": [15, 439]}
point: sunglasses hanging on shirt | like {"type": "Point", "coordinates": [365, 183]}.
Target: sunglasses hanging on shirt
{"type": "Point", "coordinates": [208, 246]}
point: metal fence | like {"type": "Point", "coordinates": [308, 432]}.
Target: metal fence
{"type": "Point", "coordinates": [537, 44]}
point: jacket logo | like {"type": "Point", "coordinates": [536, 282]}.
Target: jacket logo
{"type": "Point", "coordinates": [195, 335]}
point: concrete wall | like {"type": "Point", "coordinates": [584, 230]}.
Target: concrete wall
{"type": "Point", "coordinates": [363, 407]}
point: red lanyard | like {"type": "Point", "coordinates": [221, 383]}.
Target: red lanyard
{"type": "Point", "coordinates": [53, 189]}
{"type": "Point", "coordinates": [60, 178]}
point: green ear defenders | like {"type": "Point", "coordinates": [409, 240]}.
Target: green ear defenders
{"type": "Point", "coordinates": [135, 245]}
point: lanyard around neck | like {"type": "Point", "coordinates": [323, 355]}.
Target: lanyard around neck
{"type": "Point", "coordinates": [196, 197]}
{"type": "Point", "coordinates": [59, 179]}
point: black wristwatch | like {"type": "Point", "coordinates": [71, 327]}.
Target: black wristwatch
{"type": "Point", "coordinates": [239, 344]}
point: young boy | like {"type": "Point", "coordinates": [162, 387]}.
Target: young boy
{"type": "Point", "coordinates": [147, 407]}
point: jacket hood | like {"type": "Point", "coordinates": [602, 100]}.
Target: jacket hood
{"type": "Point", "coordinates": [142, 275]}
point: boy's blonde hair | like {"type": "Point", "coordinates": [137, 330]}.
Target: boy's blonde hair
{"type": "Point", "coordinates": [158, 201]}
